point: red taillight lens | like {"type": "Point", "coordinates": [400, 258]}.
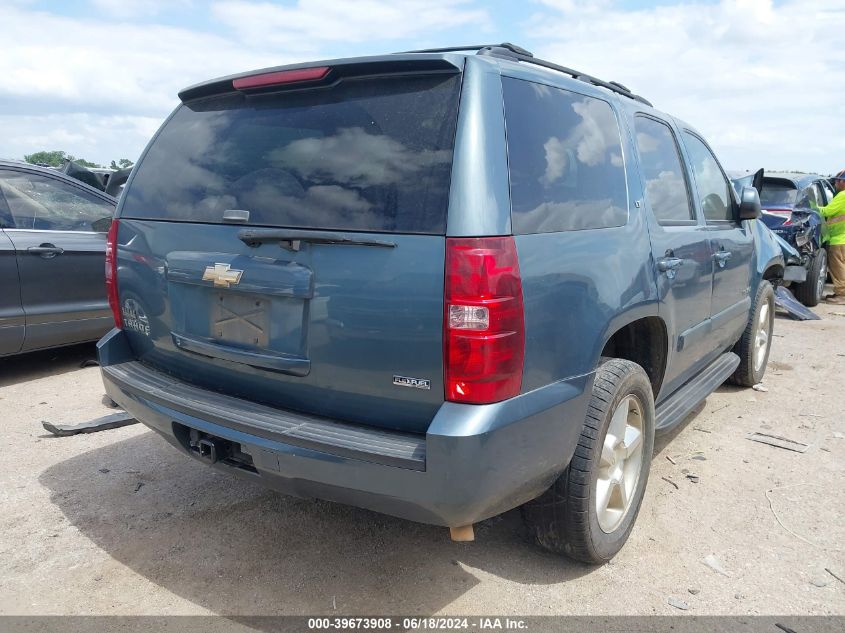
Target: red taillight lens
{"type": "Point", "coordinates": [111, 274]}
{"type": "Point", "coordinates": [280, 77]}
{"type": "Point", "coordinates": [484, 324]}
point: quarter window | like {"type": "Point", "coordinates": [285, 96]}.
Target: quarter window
{"type": "Point", "coordinates": [565, 159]}
{"type": "Point", "coordinates": [665, 183]}
{"type": "Point", "coordinates": [39, 202]}
{"type": "Point", "coordinates": [714, 190]}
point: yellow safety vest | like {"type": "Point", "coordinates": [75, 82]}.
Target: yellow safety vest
{"type": "Point", "coordinates": [834, 215]}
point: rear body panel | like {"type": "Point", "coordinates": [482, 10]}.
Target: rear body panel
{"type": "Point", "coordinates": [322, 330]}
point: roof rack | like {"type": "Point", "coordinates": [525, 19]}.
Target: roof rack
{"type": "Point", "coordinates": [513, 48]}
{"type": "Point", "coordinates": [507, 50]}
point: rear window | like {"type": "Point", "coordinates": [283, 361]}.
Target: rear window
{"type": "Point", "coordinates": [777, 192]}
{"type": "Point", "coordinates": [565, 160]}
{"type": "Point", "coordinates": [365, 155]}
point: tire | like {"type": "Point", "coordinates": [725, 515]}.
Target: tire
{"type": "Point", "coordinates": [565, 519]}
{"type": "Point", "coordinates": [811, 292]}
{"type": "Point", "coordinates": [752, 366]}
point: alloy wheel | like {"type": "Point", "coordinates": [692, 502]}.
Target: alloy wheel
{"type": "Point", "coordinates": [620, 465]}
{"type": "Point", "coordinates": [761, 337]}
{"type": "Point", "coordinates": [822, 277]}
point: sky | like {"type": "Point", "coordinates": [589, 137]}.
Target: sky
{"type": "Point", "coordinates": [762, 80]}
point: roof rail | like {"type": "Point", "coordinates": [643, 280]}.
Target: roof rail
{"type": "Point", "coordinates": [507, 50]}
{"type": "Point", "coordinates": [513, 48]}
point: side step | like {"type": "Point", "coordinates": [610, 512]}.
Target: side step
{"type": "Point", "coordinates": [678, 406]}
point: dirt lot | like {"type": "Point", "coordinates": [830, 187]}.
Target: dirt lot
{"type": "Point", "coordinates": [119, 523]}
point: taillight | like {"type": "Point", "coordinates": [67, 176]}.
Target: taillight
{"type": "Point", "coordinates": [484, 324]}
{"type": "Point", "coordinates": [280, 77]}
{"type": "Point", "coordinates": [111, 274]}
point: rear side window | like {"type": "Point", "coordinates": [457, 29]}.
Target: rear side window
{"type": "Point", "coordinates": [565, 160]}
{"type": "Point", "coordinates": [714, 191]}
{"type": "Point", "coordinates": [364, 155]}
{"type": "Point", "coordinates": [660, 162]}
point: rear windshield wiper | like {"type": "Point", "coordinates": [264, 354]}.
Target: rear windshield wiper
{"type": "Point", "coordinates": [291, 240]}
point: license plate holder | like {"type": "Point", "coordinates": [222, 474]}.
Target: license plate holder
{"type": "Point", "coordinates": [240, 319]}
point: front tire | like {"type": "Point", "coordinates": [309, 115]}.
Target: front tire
{"type": "Point", "coordinates": [811, 291]}
{"type": "Point", "coordinates": [589, 511]}
{"type": "Point", "coordinates": [754, 345]}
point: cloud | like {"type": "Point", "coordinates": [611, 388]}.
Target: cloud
{"type": "Point", "coordinates": [354, 157]}
{"type": "Point", "coordinates": [96, 137]}
{"type": "Point", "coordinates": [588, 143]}
{"type": "Point", "coordinates": [120, 68]}
{"type": "Point", "coordinates": [575, 215]}
{"type": "Point", "coordinates": [667, 194]}
{"type": "Point", "coordinates": [61, 74]}
{"type": "Point", "coordinates": [764, 82]}
{"type": "Point", "coordinates": [68, 85]}
{"type": "Point", "coordinates": [311, 23]}
{"type": "Point", "coordinates": [126, 9]}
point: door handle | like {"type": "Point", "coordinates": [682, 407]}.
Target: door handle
{"type": "Point", "coordinates": [667, 264]}
{"type": "Point", "coordinates": [722, 257]}
{"type": "Point", "coordinates": [46, 250]}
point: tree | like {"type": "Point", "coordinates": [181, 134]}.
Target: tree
{"type": "Point", "coordinates": [123, 163]}
{"type": "Point", "coordinates": [56, 158]}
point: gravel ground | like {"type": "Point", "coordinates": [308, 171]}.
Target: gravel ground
{"type": "Point", "coordinates": [118, 522]}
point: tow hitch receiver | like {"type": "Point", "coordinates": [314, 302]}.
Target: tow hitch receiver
{"type": "Point", "coordinates": [211, 449]}
{"type": "Point", "coordinates": [214, 450]}
{"type": "Point", "coordinates": [208, 450]}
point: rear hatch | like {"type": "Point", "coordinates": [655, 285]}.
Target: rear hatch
{"type": "Point", "coordinates": [285, 243]}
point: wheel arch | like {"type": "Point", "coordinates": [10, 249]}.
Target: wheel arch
{"type": "Point", "coordinates": [773, 271]}
{"type": "Point", "coordinates": [642, 339]}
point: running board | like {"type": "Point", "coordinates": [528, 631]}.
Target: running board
{"type": "Point", "coordinates": [679, 405]}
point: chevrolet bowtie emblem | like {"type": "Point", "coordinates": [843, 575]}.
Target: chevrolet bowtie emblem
{"type": "Point", "coordinates": [222, 275]}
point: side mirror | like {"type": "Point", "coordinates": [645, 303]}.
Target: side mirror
{"type": "Point", "coordinates": [749, 205]}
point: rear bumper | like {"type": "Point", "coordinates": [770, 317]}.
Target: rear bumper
{"type": "Point", "coordinates": [474, 462]}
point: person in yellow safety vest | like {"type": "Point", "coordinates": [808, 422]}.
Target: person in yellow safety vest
{"type": "Point", "coordinates": [834, 216]}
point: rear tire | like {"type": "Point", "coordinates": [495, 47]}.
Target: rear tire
{"type": "Point", "coordinates": [811, 291]}
{"type": "Point", "coordinates": [590, 510]}
{"type": "Point", "coordinates": [754, 345]}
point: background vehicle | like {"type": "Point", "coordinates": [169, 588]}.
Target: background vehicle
{"type": "Point", "coordinates": [52, 245]}
{"type": "Point", "coordinates": [792, 261]}
{"type": "Point", "coordinates": [787, 200]}
{"type": "Point", "coordinates": [109, 180]}
{"type": "Point", "coordinates": [361, 289]}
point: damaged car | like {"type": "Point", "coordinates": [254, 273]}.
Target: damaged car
{"type": "Point", "coordinates": [789, 202]}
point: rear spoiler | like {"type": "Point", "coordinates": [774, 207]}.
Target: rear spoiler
{"type": "Point", "coordinates": [321, 74]}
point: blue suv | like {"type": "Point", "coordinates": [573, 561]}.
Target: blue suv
{"type": "Point", "coordinates": [438, 284]}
